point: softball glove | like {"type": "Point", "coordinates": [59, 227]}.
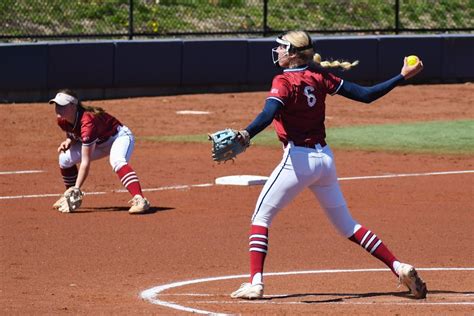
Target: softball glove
{"type": "Point", "coordinates": [228, 143]}
{"type": "Point", "coordinates": [71, 200]}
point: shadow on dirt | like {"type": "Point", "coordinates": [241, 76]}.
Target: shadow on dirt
{"type": "Point", "coordinates": [341, 297]}
{"type": "Point", "coordinates": [152, 209]}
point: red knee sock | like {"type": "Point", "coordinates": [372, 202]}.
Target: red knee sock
{"type": "Point", "coordinates": [130, 181]}
{"type": "Point", "coordinates": [258, 246]}
{"type": "Point", "coordinates": [69, 176]}
{"type": "Point", "coordinates": [368, 240]}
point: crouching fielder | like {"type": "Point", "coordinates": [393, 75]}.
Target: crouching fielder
{"type": "Point", "coordinates": [91, 134]}
{"type": "Point", "coordinates": [296, 105]}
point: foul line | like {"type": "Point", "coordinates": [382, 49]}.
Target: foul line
{"type": "Point", "coordinates": [407, 175]}
{"type": "Point", "coordinates": [203, 185]}
{"type": "Point", "coordinates": [175, 187]}
{"type": "Point", "coordinates": [20, 172]}
{"type": "Point", "coordinates": [192, 112]}
{"type": "Point", "coordinates": [151, 294]}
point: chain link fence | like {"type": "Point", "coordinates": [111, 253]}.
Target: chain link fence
{"type": "Point", "coordinates": [22, 20]}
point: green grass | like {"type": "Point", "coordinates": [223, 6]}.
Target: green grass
{"type": "Point", "coordinates": [437, 137]}
{"type": "Point", "coordinates": [52, 17]}
{"type": "Point", "coordinates": [455, 137]}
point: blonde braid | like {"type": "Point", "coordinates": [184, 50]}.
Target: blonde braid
{"type": "Point", "coordinates": [334, 64]}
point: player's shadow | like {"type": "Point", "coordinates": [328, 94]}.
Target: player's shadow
{"type": "Point", "coordinates": [152, 210]}
{"type": "Point", "coordinates": [341, 297]}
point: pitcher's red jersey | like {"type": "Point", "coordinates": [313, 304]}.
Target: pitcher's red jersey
{"type": "Point", "coordinates": [302, 91]}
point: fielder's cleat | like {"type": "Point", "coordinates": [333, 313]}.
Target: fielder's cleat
{"type": "Point", "coordinates": [139, 205]}
{"type": "Point", "coordinates": [249, 291]}
{"type": "Point", "coordinates": [408, 276]}
{"type": "Point", "coordinates": [58, 203]}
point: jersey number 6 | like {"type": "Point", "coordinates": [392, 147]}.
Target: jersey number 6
{"type": "Point", "coordinates": [311, 97]}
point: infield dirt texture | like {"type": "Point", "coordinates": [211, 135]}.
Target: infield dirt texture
{"type": "Point", "coordinates": [100, 259]}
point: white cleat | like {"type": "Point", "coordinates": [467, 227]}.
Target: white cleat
{"type": "Point", "coordinates": [139, 205]}
{"type": "Point", "coordinates": [408, 276]}
{"type": "Point", "coordinates": [249, 291]}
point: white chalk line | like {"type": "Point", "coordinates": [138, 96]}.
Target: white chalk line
{"type": "Point", "coordinates": [407, 175]}
{"type": "Point", "coordinates": [151, 294]}
{"type": "Point", "coordinates": [330, 303]}
{"type": "Point", "coordinates": [175, 187]}
{"type": "Point", "coordinates": [42, 195]}
{"type": "Point", "coordinates": [192, 112]}
{"type": "Point", "coordinates": [203, 185]}
{"type": "Point", "coordinates": [20, 172]}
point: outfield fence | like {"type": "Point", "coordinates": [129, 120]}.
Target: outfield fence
{"type": "Point", "coordinates": [26, 20]}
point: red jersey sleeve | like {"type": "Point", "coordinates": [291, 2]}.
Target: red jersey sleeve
{"type": "Point", "coordinates": [332, 83]}
{"type": "Point", "coordinates": [281, 89]}
{"type": "Point", "coordinates": [89, 134]}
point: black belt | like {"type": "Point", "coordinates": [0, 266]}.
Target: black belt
{"type": "Point", "coordinates": [310, 145]}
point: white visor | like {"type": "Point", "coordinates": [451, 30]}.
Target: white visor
{"type": "Point", "coordinates": [63, 99]}
{"type": "Point", "coordinates": [284, 42]}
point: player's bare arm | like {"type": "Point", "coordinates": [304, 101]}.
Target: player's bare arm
{"type": "Point", "coordinates": [86, 153]}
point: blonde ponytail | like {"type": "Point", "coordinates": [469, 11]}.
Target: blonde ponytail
{"type": "Point", "coordinates": [334, 64]}
{"type": "Point", "coordinates": [94, 109]}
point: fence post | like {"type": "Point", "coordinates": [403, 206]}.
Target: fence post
{"type": "Point", "coordinates": [130, 20]}
{"type": "Point", "coordinates": [265, 13]}
{"type": "Point", "coordinates": [397, 16]}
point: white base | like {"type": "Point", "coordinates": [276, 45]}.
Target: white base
{"type": "Point", "coordinates": [242, 180]}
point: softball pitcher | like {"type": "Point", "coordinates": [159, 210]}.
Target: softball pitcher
{"type": "Point", "coordinates": [296, 105]}
{"type": "Point", "coordinates": [91, 134]}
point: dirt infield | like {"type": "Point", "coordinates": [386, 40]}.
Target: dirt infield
{"type": "Point", "coordinates": [100, 259]}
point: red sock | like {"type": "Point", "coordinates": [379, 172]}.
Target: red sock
{"type": "Point", "coordinates": [368, 240]}
{"type": "Point", "coordinates": [130, 181]}
{"type": "Point", "coordinates": [258, 246]}
{"type": "Point", "coordinates": [69, 176]}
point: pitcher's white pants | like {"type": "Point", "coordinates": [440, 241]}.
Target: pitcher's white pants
{"type": "Point", "coordinates": [301, 168]}
{"type": "Point", "coordinates": [119, 147]}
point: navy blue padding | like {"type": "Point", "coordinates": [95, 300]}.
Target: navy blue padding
{"type": "Point", "coordinates": [261, 69]}
{"type": "Point", "coordinates": [214, 62]}
{"type": "Point", "coordinates": [458, 52]}
{"type": "Point", "coordinates": [392, 49]}
{"type": "Point", "coordinates": [23, 67]}
{"type": "Point", "coordinates": [148, 63]}
{"type": "Point", "coordinates": [81, 65]}
{"type": "Point", "coordinates": [364, 49]}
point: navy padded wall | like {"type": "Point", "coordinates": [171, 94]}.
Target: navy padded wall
{"type": "Point", "coordinates": [32, 71]}
{"type": "Point", "coordinates": [23, 67]}
{"type": "Point", "coordinates": [364, 49]}
{"type": "Point", "coordinates": [261, 69]}
{"type": "Point", "coordinates": [214, 62]}
{"type": "Point", "coordinates": [81, 65]}
{"type": "Point", "coordinates": [392, 49]}
{"type": "Point", "coordinates": [458, 53]}
{"type": "Point", "coordinates": [148, 63]}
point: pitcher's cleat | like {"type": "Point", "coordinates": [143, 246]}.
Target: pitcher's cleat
{"type": "Point", "coordinates": [408, 276]}
{"type": "Point", "coordinates": [139, 205]}
{"type": "Point", "coordinates": [249, 291]}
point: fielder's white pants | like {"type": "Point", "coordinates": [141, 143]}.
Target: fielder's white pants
{"type": "Point", "coordinates": [301, 168]}
{"type": "Point", "coordinates": [119, 148]}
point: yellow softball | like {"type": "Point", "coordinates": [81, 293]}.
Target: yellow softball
{"type": "Point", "coordinates": [412, 60]}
